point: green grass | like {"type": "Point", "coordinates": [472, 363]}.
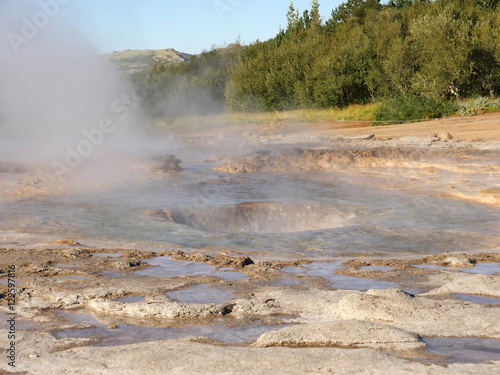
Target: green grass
{"type": "Point", "coordinates": [190, 123]}
{"type": "Point", "coordinates": [367, 112]}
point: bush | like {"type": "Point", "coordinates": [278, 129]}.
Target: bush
{"type": "Point", "coordinates": [494, 103]}
{"type": "Point", "coordinates": [478, 106]}
{"type": "Point", "coordinates": [412, 108]}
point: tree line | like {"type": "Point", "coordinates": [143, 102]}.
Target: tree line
{"type": "Point", "coordinates": [413, 54]}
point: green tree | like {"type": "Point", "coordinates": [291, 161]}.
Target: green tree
{"type": "Point", "coordinates": [315, 15]}
{"type": "Point", "coordinates": [392, 59]}
{"type": "Point", "coordinates": [292, 17]}
{"type": "Point", "coordinates": [398, 4]}
{"type": "Point", "coordinates": [444, 48]}
{"type": "Point", "coordinates": [355, 10]}
{"type": "Point", "coordinates": [486, 55]}
{"type": "Point", "coordinates": [340, 75]}
{"type": "Point", "coordinates": [487, 4]}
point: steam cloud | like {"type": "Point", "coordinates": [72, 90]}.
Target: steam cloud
{"type": "Point", "coordinates": [59, 101]}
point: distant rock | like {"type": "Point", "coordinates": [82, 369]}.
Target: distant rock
{"type": "Point", "coordinates": [458, 260]}
{"type": "Point", "coordinates": [131, 61]}
{"type": "Point", "coordinates": [446, 136]}
{"type": "Point", "coordinates": [167, 164]}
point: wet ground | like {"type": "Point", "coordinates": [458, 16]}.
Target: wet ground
{"type": "Point", "coordinates": [70, 293]}
{"type": "Point", "coordinates": [278, 248]}
{"type": "Point", "coordinates": [307, 203]}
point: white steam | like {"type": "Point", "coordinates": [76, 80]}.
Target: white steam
{"type": "Point", "coordinates": [60, 103]}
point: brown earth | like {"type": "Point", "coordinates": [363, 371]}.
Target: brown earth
{"type": "Point", "coordinates": [485, 127]}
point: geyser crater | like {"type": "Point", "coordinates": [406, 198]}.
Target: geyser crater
{"type": "Point", "coordinates": [257, 217]}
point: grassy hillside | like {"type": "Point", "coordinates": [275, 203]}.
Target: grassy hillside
{"type": "Point", "coordinates": [131, 61]}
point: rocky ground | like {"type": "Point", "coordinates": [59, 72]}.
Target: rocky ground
{"type": "Point", "coordinates": [311, 327]}
{"type": "Point", "coordinates": [86, 306]}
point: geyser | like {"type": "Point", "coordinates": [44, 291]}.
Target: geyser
{"type": "Point", "coordinates": [61, 105]}
{"type": "Point", "coordinates": [257, 217]}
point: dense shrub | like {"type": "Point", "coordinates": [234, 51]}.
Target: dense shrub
{"type": "Point", "coordinates": [411, 107]}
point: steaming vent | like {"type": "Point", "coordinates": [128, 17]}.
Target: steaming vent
{"type": "Point", "coordinates": [257, 217]}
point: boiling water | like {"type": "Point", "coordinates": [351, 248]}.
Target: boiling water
{"type": "Point", "coordinates": [366, 219]}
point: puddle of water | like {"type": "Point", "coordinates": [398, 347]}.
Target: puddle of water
{"type": "Point", "coordinates": [113, 274]}
{"type": "Point", "coordinates": [78, 278]}
{"type": "Point", "coordinates": [65, 265]}
{"type": "Point", "coordinates": [201, 294]}
{"type": "Point", "coordinates": [326, 270]}
{"type": "Point", "coordinates": [131, 299]}
{"type": "Point", "coordinates": [484, 268]}
{"type": "Point", "coordinates": [4, 281]}
{"type": "Point", "coordinates": [172, 268]}
{"type": "Point", "coordinates": [386, 221]}
{"type": "Point", "coordinates": [376, 268]}
{"type": "Point", "coordinates": [323, 269]}
{"type": "Point", "coordinates": [295, 270]}
{"type": "Point", "coordinates": [230, 275]}
{"type": "Point", "coordinates": [465, 349]}
{"type": "Point", "coordinates": [477, 299]}
{"type": "Point", "coordinates": [358, 283]}
{"type": "Point", "coordinates": [130, 334]}
{"type": "Point", "coordinates": [106, 255]}
{"type": "Point", "coordinates": [286, 282]}
{"type": "Point", "coordinates": [20, 322]}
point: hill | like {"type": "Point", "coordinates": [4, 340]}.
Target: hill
{"type": "Point", "coordinates": [131, 61]}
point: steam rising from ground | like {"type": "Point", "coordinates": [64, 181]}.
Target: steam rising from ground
{"type": "Point", "coordinates": [60, 103]}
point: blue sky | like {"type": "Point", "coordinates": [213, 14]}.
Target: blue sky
{"type": "Point", "coordinates": [187, 26]}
